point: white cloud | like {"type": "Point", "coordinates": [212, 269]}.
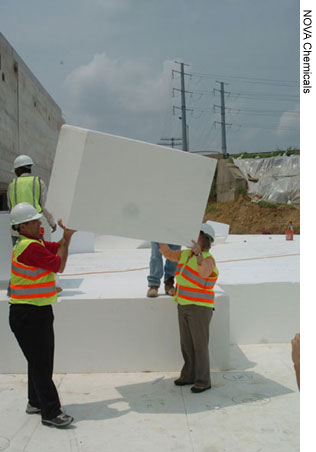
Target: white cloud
{"type": "Point", "coordinates": [118, 96]}
{"type": "Point", "coordinates": [132, 84]}
{"type": "Point", "coordinates": [289, 120]}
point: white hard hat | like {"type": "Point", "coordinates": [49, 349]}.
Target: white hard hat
{"type": "Point", "coordinates": [22, 160]}
{"type": "Point", "coordinates": [208, 230]}
{"type": "Point", "coordinates": [23, 212]}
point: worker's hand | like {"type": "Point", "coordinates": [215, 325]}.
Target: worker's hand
{"type": "Point", "coordinates": [296, 349]}
{"type": "Point", "coordinates": [54, 227]}
{"type": "Point", "coordinates": [67, 232]}
{"type": "Point", "coordinates": [195, 248]}
{"type": "Point", "coordinates": [163, 248]}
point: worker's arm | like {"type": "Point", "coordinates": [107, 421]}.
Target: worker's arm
{"type": "Point", "coordinates": [49, 217]}
{"type": "Point", "coordinates": [296, 357]}
{"type": "Point", "coordinates": [205, 266]}
{"type": "Point", "coordinates": [172, 255]}
{"type": "Point", "coordinates": [64, 245]}
{"type": "Point", "coordinates": [8, 197]}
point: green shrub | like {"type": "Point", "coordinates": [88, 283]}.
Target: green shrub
{"type": "Point", "coordinates": [269, 204]}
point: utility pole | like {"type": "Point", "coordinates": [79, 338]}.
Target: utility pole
{"type": "Point", "coordinates": [224, 146]}
{"type": "Point", "coordinates": [183, 112]}
{"type": "Point", "coordinates": [170, 142]}
{"type": "Point", "coordinates": [185, 144]}
{"type": "Point", "coordinates": [223, 123]}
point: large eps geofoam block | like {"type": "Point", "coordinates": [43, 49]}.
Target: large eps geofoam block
{"type": "Point", "coordinates": [111, 185]}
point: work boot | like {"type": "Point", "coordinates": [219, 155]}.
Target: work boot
{"type": "Point", "coordinates": [152, 291]}
{"type": "Point", "coordinates": [169, 288]}
{"type": "Point", "coordinates": [30, 409]}
{"type": "Point", "coordinates": [60, 421]}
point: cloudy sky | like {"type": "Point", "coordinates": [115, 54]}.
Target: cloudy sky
{"type": "Point", "coordinates": [109, 65]}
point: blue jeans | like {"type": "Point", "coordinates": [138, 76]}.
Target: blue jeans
{"type": "Point", "coordinates": [156, 268]}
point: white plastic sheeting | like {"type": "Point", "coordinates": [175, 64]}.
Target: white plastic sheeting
{"type": "Point", "coordinates": [278, 177]}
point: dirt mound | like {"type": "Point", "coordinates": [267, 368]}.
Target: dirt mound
{"type": "Point", "coordinates": [247, 217]}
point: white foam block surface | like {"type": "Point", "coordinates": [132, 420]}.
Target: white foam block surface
{"type": "Point", "coordinates": [221, 231]}
{"type": "Point", "coordinates": [111, 185]}
{"type": "Point", "coordinates": [6, 247]}
{"type": "Point", "coordinates": [81, 242]}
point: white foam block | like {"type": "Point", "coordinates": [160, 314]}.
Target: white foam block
{"type": "Point", "coordinates": [6, 247]}
{"type": "Point", "coordinates": [81, 242]}
{"type": "Point", "coordinates": [221, 231]}
{"type": "Point", "coordinates": [111, 185]}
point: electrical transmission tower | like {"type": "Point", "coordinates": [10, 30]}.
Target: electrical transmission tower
{"type": "Point", "coordinates": [222, 122]}
{"type": "Point", "coordinates": [185, 144]}
{"type": "Point", "coordinates": [170, 142]}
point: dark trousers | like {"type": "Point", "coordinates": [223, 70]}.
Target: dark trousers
{"type": "Point", "coordinates": [194, 323]}
{"type": "Point", "coordinates": [33, 329]}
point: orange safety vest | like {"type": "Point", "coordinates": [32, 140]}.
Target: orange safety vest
{"type": "Point", "coordinates": [191, 288]}
{"type": "Point", "coordinates": [30, 285]}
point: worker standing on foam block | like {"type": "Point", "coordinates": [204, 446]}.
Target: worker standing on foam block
{"type": "Point", "coordinates": [157, 270]}
{"type": "Point", "coordinates": [33, 291]}
{"type": "Point", "coordinates": [196, 275]}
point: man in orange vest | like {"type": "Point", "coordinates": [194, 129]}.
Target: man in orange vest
{"type": "Point", "coordinates": [196, 275]}
{"type": "Point", "coordinates": [33, 291]}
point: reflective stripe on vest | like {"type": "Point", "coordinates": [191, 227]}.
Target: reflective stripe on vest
{"type": "Point", "coordinates": [33, 290]}
{"type": "Point", "coordinates": [30, 285]}
{"type": "Point", "coordinates": [32, 273]}
{"type": "Point", "coordinates": [195, 278]}
{"type": "Point", "coordinates": [26, 189]}
{"type": "Point", "coordinates": [191, 287]}
{"type": "Point", "coordinates": [192, 294]}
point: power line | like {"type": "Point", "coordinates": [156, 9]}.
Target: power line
{"type": "Point", "coordinates": [267, 97]}
{"type": "Point", "coordinates": [251, 112]}
{"type": "Point", "coordinates": [260, 126]}
{"type": "Point", "coordinates": [238, 110]}
{"type": "Point", "coordinates": [170, 142]}
{"type": "Point", "coordinates": [253, 80]}
{"type": "Point", "coordinates": [200, 93]}
{"type": "Point", "coordinates": [246, 113]}
{"type": "Point", "coordinates": [258, 96]}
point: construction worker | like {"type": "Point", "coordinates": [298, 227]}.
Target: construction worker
{"type": "Point", "coordinates": [157, 270]}
{"type": "Point", "coordinates": [33, 291]}
{"type": "Point", "coordinates": [27, 188]}
{"type": "Point", "coordinates": [196, 274]}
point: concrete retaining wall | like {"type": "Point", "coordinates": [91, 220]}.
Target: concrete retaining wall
{"type": "Point", "coordinates": [230, 181]}
{"type": "Point", "coordinates": [30, 120]}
